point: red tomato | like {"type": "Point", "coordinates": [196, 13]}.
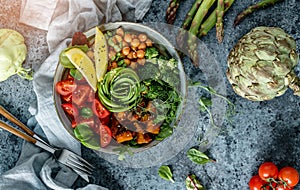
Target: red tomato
{"type": "Point", "coordinates": [282, 187]}
{"type": "Point", "coordinates": [73, 124]}
{"type": "Point", "coordinates": [91, 96]}
{"type": "Point", "coordinates": [105, 135]}
{"type": "Point", "coordinates": [268, 170]}
{"type": "Point", "coordinates": [65, 87]}
{"type": "Point", "coordinates": [89, 121]}
{"type": "Point", "coordinates": [70, 109]}
{"type": "Point", "coordinates": [67, 98]}
{"type": "Point", "coordinates": [99, 109]}
{"type": "Point", "coordinates": [256, 183]}
{"type": "Point", "coordinates": [80, 94]}
{"type": "Point", "coordinates": [289, 175]}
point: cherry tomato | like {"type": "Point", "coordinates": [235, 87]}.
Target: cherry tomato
{"type": "Point", "coordinates": [256, 183]}
{"type": "Point", "coordinates": [99, 109]}
{"type": "Point", "coordinates": [91, 96]}
{"type": "Point", "coordinates": [290, 175]}
{"type": "Point", "coordinates": [282, 187]}
{"type": "Point", "coordinates": [268, 170]}
{"type": "Point", "coordinates": [67, 98]}
{"type": "Point", "coordinates": [80, 94]}
{"type": "Point", "coordinates": [65, 87]}
{"type": "Point", "coordinates": [70, 109]}
{"type": "Point", "coordinates": [73, 124]}
{"type": "Point", "coordinates": [105, 135]}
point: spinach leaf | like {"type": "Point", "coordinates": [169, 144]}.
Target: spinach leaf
{"type": "Point", "coordinates": [192, 183]}
{"type": "Point", "coordinates": [166, 173]}
{"type": "Point", "coordinates": [198, 157]}
{"type": "Point", "coordinates": [165, 131]}
{"type": "Point", "coordinates": [64, 60]}
{"type": "Point", "coordinates": [86, 136]}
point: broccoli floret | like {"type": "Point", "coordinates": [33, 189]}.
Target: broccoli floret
{"type": "Point", "coordinates": [151, 53]}
{"type": "Point", "coordinates": [148, 71]}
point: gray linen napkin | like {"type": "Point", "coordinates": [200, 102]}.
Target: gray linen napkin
{"type": "Point", "coordinates": [34, 169]}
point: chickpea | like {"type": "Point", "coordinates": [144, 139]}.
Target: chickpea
{"type": "Point", "coordinates": [141, 61]}
{"type": "Point", "coordinates": [127, 38]}
{"type": "Point", "coordinates": [118, 38]}
{"type": "Point", "coordinates": [133, 65]}
{"type": "Point", "coordinates": [133, 36]}
{"type": "Point", "coordinates": [90, 54]}
{"type": "Point", "coordinates": [125, 44]}
{"type": "Point", "coordinates": [148, 42]}
{"type": "Point", "coordinates": [130, 55]}
{"type": "Point", "coordinates": [142, 37]}
{"type": "Point", "coordinates": [120, 32]}
{"type": "Point", "coordinates": [126, 50]}
{"type": "Point", "coordinates": [127, 61]}
{"type": "Point", "coordinates": [134, 55]}
{"type": "Point", "coordinates": [114, 65]}
{"type": "Point", "coordinates": [142, 46]}
{"type": "Point", "coordinates": [135, 43]}
{"type": "Point", "coordinates": [140, 54]}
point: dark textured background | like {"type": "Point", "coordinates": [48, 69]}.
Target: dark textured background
{"type": "Point", "coordinates": [259, 131]}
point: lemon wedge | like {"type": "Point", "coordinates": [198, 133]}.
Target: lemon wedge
{"type": "Point", "coordinates": [100, 54]}
{"type": "Point", "coordinates": [84, 65]}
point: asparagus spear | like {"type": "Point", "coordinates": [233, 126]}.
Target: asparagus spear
{"type": "Point", "coordinates": [253, 8]}
{"type": "Point", "coordinates": [190, 15]}
{"type": "Point", "coordinates": [195, 25]}
{"type": "Point", "coordinates": [171, 11]}
{"type": "Point", "coordinates": [219, 24]}
{"type": "Point", "coordinates": [212, 19]}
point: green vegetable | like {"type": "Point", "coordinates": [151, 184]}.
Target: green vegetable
{"type": "Point", "coordinates": [151, 52]}
{"type": "Point", "coordinates": [13, 52]}
{"type": "Point", "coordinates": [86, 112]}
{"type": "Point", "coordinates": [192, 183]}
{"type": "Point", "coordinates": [260, 66]}
{"type": "Point", "coordinates": [171, 11]}
{"type": "Point", "coordinates": [119, 90]}
{"type": "Point", "coordinates": [204, 103]}
{"type": "Point", "coordinates": [64, 60]}
{"type": "Point", "coordinates": [198, 157]}
{"type": "Point", "coordinates": [86, 136]}
{"type": "Point", "coordinates": [76, 74]}
{"type": "Point", "coordinates": [166, 173]}
{"type": "Point", "coordinates": [165, 131]}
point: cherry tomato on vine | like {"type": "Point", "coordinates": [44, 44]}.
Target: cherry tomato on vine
{"type": "Point", "coordinates": [282, 187]}
{"type": "Point", "coordinates": [268, 170]}
{"type": "Point", "coordinates": [289, 175]}
{"type": "Point", "coordinates": [256, 183]}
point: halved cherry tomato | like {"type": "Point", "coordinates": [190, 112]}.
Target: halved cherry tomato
{"type": "Point", "coordinates": [289, 175]}
{"type": "Point", "coordinates": [70, 109]}
{"type": "Point", "coordinates": [99, 109]}
{"type": "Point", "coordinates": [89, 121]}
{"type": "Point", "coordinates": [65, 87]}
{"type": "Point", "coordinates": [73, 124]}
{"type": "Point", "coordinates": [67, 98]}
{"type": "Point", "coordinates": [105, 135]}
{"type": "Point", "coordinates": [91, 96]}
{"type": "Point", "coordinates": [256, 183]}
{"type": "Point", "coordinates": [80, 94]}
{"type": "Point", "coordinates": [268, 170]}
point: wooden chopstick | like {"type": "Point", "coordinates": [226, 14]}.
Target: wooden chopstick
{"type": "Point", "coordinates": [17, 132]}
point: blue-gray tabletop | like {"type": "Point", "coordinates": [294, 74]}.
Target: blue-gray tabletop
{"type": "Point", "coordinates": [258, 132]}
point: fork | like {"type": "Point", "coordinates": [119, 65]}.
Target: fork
{"type": "Point", "coordinates": [64, 156]}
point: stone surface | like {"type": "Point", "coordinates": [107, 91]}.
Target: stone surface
{"type": "Point", "coordinates": [258, 132]}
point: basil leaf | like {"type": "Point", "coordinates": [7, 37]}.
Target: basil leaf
{"type": "Point", "coordinates": [86, 112]}
{"type": "Point", "coordinates": [198, 157]}
{"type": "Point", "coordinates": [192, 183]}
{"type": "Point", "coordinates": [166, 173]}
{"type": "Point", "coordinates": [165, 132]}
{"type": "Point", "coordinates": [64, 60]}
{"type": "Point", "coordinates": [86, 136]}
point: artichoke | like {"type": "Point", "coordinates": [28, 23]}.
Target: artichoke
{"type": "Point", "coordinates": [260, 66]}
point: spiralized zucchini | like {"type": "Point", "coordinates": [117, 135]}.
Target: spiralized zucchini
{"type": "Point", "coordinates": [119, 90]}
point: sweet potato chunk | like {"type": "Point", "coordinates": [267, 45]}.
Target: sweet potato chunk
{"type": "Point", "coordinates": [143, 138]}
{"type": "Point", "coordinates": [125, 136]}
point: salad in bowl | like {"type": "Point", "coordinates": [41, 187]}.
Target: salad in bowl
{"type": "Point", "coordinates": [119, 84]}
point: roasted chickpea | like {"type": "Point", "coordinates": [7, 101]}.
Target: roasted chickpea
{"type": "Point", "coordinates": [140, 54]}
{"type": "Point", "coordinates": [149, 42]}
{"type": "Point", "coordinates": [118, 38]}
{"type": "Point", "coordinates": [141, 61]}
{"type": "Point", "coordinates": [133, 65]}
{"type": "Point", "coordinates": [142, 46]}
{"type": "Point", "coordinates": [120, 32]}
{"type": "Point", "coordinates": [126, 50]}
{"type": "Point", "coordinates": [135, 43]}
{"type": "Point", "coordinates": [130, 55]}
{"type": "Point", "coordinates": [127, 61]}
{"type": "Point", "coordinates": [125, 44]}
{"type": "Point", "coordinates": [127, 38]}
{"type": "Point", "coordinates": [134, 55]}
{"type": "Point", "coordinates": [114, 65]}
{"type": "Point", "coordinates": [142, 37]}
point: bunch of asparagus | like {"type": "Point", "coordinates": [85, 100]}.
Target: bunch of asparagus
{"type": "Point", "coordinates": [203, 16]}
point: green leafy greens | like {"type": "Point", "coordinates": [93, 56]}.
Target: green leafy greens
{"type": "Point", "coordinates": [192, 183]}
{"type": "Point", "coordinates": [166, 173]}
{"type": "Point", "coordinates": [198, 157]}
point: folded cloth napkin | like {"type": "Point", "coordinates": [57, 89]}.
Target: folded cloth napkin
{"type": "Point", "coordinates": [34, 169]}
